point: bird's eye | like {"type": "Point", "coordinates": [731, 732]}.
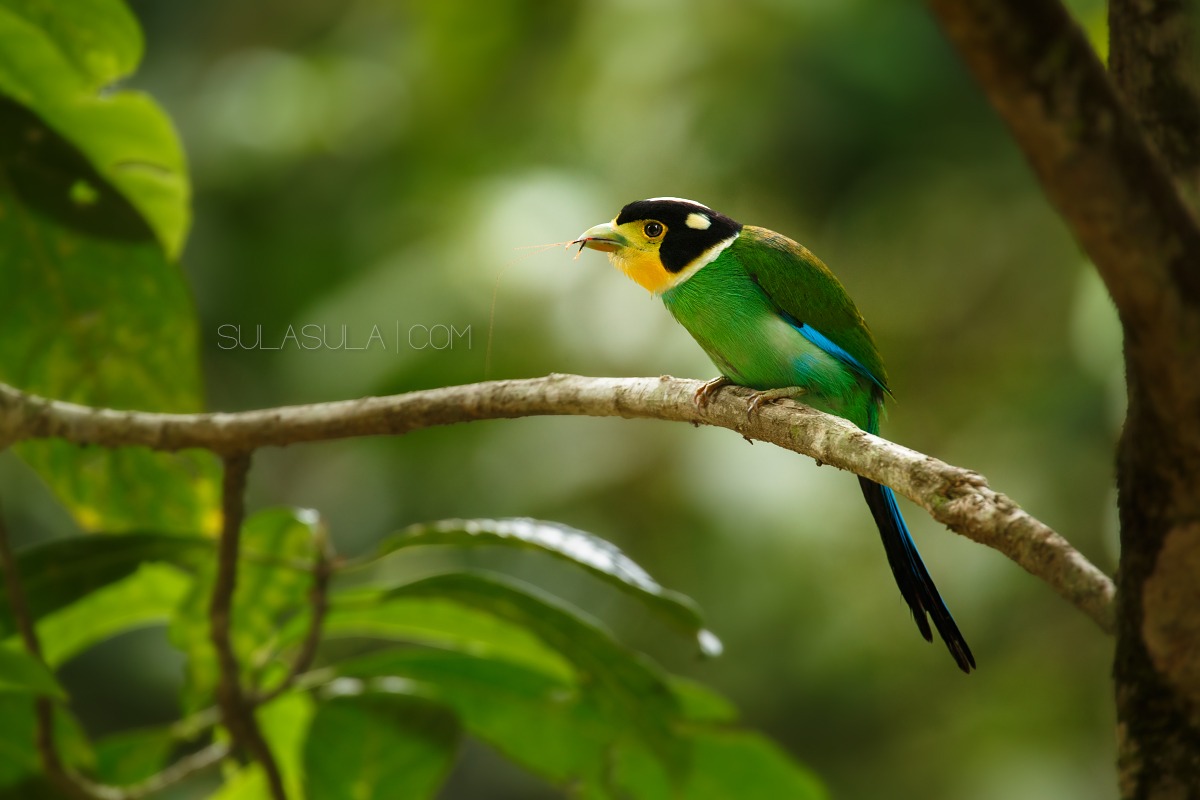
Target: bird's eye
{"type": "Point", "coordinates": [652, 229]}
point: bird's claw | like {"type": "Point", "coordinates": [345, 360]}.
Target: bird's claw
{"type": "Point", "coordinates": [708, 389]}
{"type": "Point", "coordinates": [758, 399]}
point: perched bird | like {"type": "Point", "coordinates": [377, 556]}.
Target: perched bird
{"type": "Point", "coordinates": [773, 318]}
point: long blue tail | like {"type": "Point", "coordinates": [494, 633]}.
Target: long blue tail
{"type": "Point", "coordinates": [911, 576]}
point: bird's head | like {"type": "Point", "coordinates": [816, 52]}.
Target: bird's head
{"type": "Point", "coordinates": [661, 242]}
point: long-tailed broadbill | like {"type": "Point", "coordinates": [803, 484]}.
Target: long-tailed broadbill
{"type": "Point", "coordinates": [773, 318]}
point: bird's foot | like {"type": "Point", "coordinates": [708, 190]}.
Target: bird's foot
{"type": "Point", "coordinates": [708, 389]}
{"type": "Point", "coordinates": [770, 396]}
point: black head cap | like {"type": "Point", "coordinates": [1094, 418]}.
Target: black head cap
{"type": "Point", "coordinates": [691, 227]}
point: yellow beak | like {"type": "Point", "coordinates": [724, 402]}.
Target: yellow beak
{"type": "Point", "coordinates": [602, 237]}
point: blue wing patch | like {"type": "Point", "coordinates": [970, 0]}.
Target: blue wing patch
{"type": "Point", "coordinates": [825, 343]}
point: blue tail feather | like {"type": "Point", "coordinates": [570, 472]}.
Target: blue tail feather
{"type": "Point", "coordinates": [912, 578]}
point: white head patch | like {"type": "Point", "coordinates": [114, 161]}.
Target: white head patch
{"type": "Point", "coordinates": [699, 222]}
{"type": "Point", "coordinates": [677, 200]}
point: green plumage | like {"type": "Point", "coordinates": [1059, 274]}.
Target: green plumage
{"type": "Point", "coordinates": [768, 284]}
{"type": "Point", "coordinates": [771, 316]}
{"type": "Point", "coordinates": [801, 286]}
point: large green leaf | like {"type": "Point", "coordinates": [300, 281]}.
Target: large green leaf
{"type": "Point", "coordinates": [93, 312]}
{"type": "Point", "coordinates": [271, 589]}
{"type": "Point", "coordinates": [553, 729]}
{"type": "Point", "coordinates": [285, 724]}
{"type": "Point", "coordinates": [625, 684]}
{"type": "Point", "coordinates": [147, 597]}
{"type": "Point", "coordinates": [18, 756]}
{"type": "Point", "coordinates": [726, 763]}
{"type": "Point", "coordinates": [55, 58]}
{"type": "Point", "coordinates": [59, 573]}
{"type": "Point", "coordinates": [547, 725]}
{"type": "Point", "coordinates": [700, 703]}
{"type": "Point", "coordinates": [93, 187]}
{"type": "Point", "coordinates": [20, 672]}
{"type": "Point", "coordinates": [100, 38]}
{"type": "Point", "coordinates": [748, 766]}
{"type": "Point", "coordinates": [243, 783]}
{"type": "Point", "coordinates": [378, 745]}
{"type": "Point", "coordinates": [596, 555]}
{"type": "Point", "coordinates": [432, 621]}
{"type": "Point", "coordinates": [18, 750]}
{"type": "Point", "coordinates": [132, 756]}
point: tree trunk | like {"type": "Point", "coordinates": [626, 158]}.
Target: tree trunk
{"type": "Point", "coordinates": [1157, 669]}
{"type": "Point", "coordinates": [1118, 154]}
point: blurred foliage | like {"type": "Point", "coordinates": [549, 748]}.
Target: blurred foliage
{"type": "Point", "coordinates": [62, 67]}
{"type": "Point", "coordinates": [94, 202]}
{"type": "Point", "coordinates": [517, 668]}
{"type": "Point", "coordinates": [380, 165]}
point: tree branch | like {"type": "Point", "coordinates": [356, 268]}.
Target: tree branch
{"type": "Point", "coordinates": [1036, 67]}
{"type": "Point", "coordinates": [318, 601]}
{"type": "Point", "coordinates": [66, 781]}
{"type": "Point", "coordinates": [236, 712]}
{"type": "Point", "coordinates": [1151, 54]}
{"type": "Point", "coordinates": [43, 706]}
{"type": "Point", "coordinates": [958, 498]}
{"type": "Point", "coordinates": [182, 769]}
{"type": "Point", "coordinates": [1109, 180]}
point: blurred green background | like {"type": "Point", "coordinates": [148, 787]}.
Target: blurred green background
{"type": "Point", "coordinates": [370, 163]}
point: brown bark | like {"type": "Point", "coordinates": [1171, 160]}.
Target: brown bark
{"type": "Point", "coordinates": [1153, 61]}
{"type": "Point", "coordinates": [237, 712]}
{"type": "Point", "coordinates": [1112, 154]}
{"type": "Point", "coordinates": [1157, 669]}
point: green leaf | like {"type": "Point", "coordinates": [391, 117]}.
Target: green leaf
{"type": "Point", "coordinates": [271, 589]}
{"type": "Point", "coordinates": [100, 38]}
{"type": "Point", "coordinates": [93, 312]}
{"type": "Point", "coordinates": [147, 597]}
{"type": "Point", "coordinates": [18, 751]}
{"type": "Point", "coordinates": [18, 756]}
{"type": "Point", "coordinates": [22, 673]}
{"type": "Point", "coordinates": [59, 573]}
{"type": "Point", "coordinates": [748, 766]}
{"type": "Point", "coordinates": [432, 621]}
{"type": "Point", "coordinates": [700, 703]}
{"type": "Point", "coordinates": [548, 725]}
{"type": "Point", "coordinates": [244, 783]}
{"type": "Point", "coordinates": [53, 66]}
{"type": "Point", "coordinates": [132, 756]}
{"type": "Point", "coordinates": [378, 745]}
{"type": "Point", "coordinates": [285, 723]}
{"type": "Point", "coordinates": [726, 763]}
{"type": "Point", "coordinates": [598, 556]}
{"type": "Point", "coordinates": [553, 728]}
{"type": "Point", "coordinates": [625, 684]}
{"type": "Point", "coordinates": [127, 489]}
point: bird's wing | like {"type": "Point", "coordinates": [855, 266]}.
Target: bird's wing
{"type": "Point", "coordinates": [811, 298]}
